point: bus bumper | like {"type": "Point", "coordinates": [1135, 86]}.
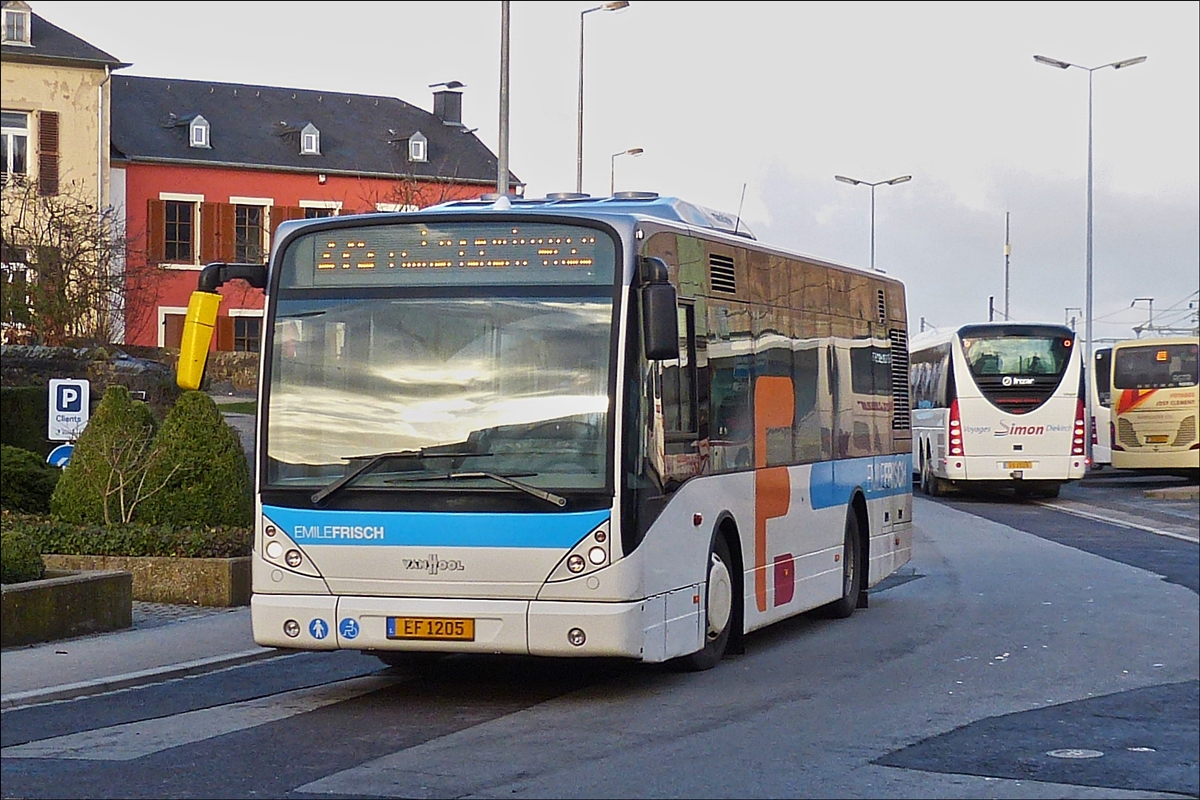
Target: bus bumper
{"type": "Point", "coordinates": [1020, 467]}
{"type": "Point", "coordinates": [523, 627]}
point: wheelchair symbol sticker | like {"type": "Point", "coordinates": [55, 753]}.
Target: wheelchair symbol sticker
{"type": "Point", "coordinates": [318, 628]}
{"type": "Point", "coordinates": [348, 628]}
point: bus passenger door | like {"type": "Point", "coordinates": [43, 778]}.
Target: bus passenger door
{"type": "Point", "coordinates": [684, 454]}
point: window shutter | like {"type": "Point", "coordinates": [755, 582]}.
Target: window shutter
{"type": "Point", "coordinates": [173, 330]}
{"type": "Point", "coordinates": [48, 153]}
{"type": "Point", "coordinates": [225, 333]}
{"type": "Point", "coordinates": [156, 230]}
{"type": "Point", "coordinates": [210, 248]}
{"type": "Point", "coordinates": [226, 234]}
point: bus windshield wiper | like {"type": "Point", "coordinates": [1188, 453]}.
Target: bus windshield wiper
{"type": "Point", "coordinates": [372, 461]}
{"type": "Point", "coordinates": [508, 479]}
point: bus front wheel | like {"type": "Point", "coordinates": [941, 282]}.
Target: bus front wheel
{"type": "Point", "coordinates": [718, 610]}
{"type": "Point", "coordinates": [931, 484]}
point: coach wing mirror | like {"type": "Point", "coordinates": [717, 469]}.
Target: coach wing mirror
{"type": "Point", "coordinates": [201, 317]}
{"type": "Point", "coordinates": [660, 319]}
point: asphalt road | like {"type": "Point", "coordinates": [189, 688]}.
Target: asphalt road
{"type": "Point", "coordinates": [1026, 651]}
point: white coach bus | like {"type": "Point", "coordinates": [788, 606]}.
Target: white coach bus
{"type": "Point", "coordinates": [997, 404]}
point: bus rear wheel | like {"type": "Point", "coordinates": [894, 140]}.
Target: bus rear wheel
{"type": "Point", "coordinates": [852, 575]}
{"type": "Point", "coordinates": [718, 610]}
{"type": "Point", "coordinates": [931, 484]}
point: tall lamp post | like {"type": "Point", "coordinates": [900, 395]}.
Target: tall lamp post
{"type": "Point", "coordinates": [612, 172]}
{"type": "Point", "coordinates": [1052, 62]}
{"type": "Point", "coordinates": [889, 182]}
{"type": "Point", "coordinates": [1149, 326]}
{"type": "Point", "coordinates": [617, 5]}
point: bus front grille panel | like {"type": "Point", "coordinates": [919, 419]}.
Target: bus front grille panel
{"type": "Point", "coordinates": [901, 404]}
{"type": "Point", "coordinates": [1126, 435]}
{"type": "Point", "coordinates": [1186, 433]}
{"type": "Point", "coordinates": [1017, 399]}
{"type": "Point", "coordinates": [721, 274]}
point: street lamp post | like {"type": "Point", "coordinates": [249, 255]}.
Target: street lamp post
{"type": "Point", "coordinates": [889, 182]}
{"type": "Point", "coordinates": [612, 171]}
{"type": "Point", "coordinates": [1149, 326]}
{"type": "Point", "coordinates": [1052, 62]}
{"type": "Point", "coordinates": [617, 5]}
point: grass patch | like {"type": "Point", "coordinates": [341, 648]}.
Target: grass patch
{"type": "Point", "coordinates": [241, 407]}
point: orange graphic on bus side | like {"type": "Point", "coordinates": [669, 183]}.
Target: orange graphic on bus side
{"type": "Point", "coordinates": [1131, 398]}
{"type": "Point", "coordinates": [774, 407]}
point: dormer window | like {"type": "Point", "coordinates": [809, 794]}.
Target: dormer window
{"type": "Point", "coordinates": [418, 147]}
{"type": "Point", "coordinates": [310, 141]}
{"type": "Point", "coordinates": [198, 132]}
{"type": "Point", "coordinates": [17, 23]}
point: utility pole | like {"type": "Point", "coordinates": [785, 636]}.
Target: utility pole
{"type": "Point", "coordinates": [1007, 253]}
{"type": "Point", "coordinates": [502, 166]}
{"type": "Point", "coordinates": [991, 308]}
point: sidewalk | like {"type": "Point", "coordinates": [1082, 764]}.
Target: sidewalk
{"type": "Point", "coordinates": [165, 642]}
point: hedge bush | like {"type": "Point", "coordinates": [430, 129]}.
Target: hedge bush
{"type": "Point", "coordinates": [62, 538]}
{"type": "Point", "coordinates": [112, 450]}
{"type": "Point", "coordinates": [20, 560]}
{"type": "Point", "coordinates": [201, 466]}
{"type": "Point", "coordinates": [26, 480]}
{"type": "Point", "coordinates": [23, 418]}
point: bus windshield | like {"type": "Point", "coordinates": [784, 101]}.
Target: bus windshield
{"type": "Point", "coordinates": [466, 371]}
{"type": "Point", "coordinates": [1155, 367]}
{"type": "Point", "coordinates": [1021, 355]}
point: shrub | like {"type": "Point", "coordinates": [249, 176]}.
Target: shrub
{"type": "Point", "coordinates": [26, 480]}
{"type": "Point", "coordinates": [23, 418]}
{"type": "Point", "coordinates": [105, 480]}
{"type": "Point", "coordinates": [202, 468]}
{"type": "Point", "coordinates": [54, 536]}
{"type": "Point", "coordinates": [19, 558]}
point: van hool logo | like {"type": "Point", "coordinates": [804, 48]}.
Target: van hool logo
{"type": "Point", "coordinates": [433, 565]}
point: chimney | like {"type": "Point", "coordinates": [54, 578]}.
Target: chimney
{"type": "Point", "coordinates": [447, 103]}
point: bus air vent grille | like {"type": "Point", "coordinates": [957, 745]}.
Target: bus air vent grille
{"type": "Point", "coordinates": [721, 274]}
{"type": "Point", "coordinates": [1126, 435]}
{"type": "Point", "coordinates": [1187, 432]}
{"type": "Point", "coordinates": [901, 404]}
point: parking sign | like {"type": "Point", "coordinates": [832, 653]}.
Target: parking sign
{"type": "Point", "coordinates": [69, 408]}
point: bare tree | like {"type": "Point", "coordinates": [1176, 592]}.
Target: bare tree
{"type": "Point", "coordinates": [64, 266]}
{"type": "Point", "coordinates": [126, 461]}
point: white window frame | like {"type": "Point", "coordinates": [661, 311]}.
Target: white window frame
{"type": "Point", "coordinates": [26, 26]}
{"type": "Point", "coordinates": [199, 125]}
{"type": "Point", "coordinates": [310, 141]}
{"type": "Point", "coordinates": [196, 200]}
{"type": "Point", "coordinates": [418, 148]}
{"type": "Point", "coordinates": [11, 133]}
{"type": "Point", "coordinates": [265, 203]}
{"type": "Point", "coordinates": [396, 207]}
{"type": "Point", "coordinates": [250, 312]}
{"type": "Point", "coordinates": [335, 205]}
{"type": "Point", "coordinates": [163, 311]}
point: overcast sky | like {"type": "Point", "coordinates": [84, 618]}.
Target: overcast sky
{"type": "Point", "coordinates": [779, 97]}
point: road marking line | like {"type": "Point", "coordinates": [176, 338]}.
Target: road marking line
{"type": "Point", "coordinates": [136, 739]}
{"type": "Point", "coordinates": [1119, 523]}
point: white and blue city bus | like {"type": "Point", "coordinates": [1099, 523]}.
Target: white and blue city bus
{"type": "Point", "coordinates": [566, 427]}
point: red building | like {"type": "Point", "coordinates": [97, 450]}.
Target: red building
{"type": "Point", "coordinates": [205, 172]}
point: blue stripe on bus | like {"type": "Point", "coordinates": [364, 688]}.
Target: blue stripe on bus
{"type": "Point", "coordinates": [831, 482]}
{"type": "Point", "coordinates": [434, 529]}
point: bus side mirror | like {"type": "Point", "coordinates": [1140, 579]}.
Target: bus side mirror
{"type": "Point", "coordinates": [660, 315]}
{"type": "Point", "coordinates": [197, 334]}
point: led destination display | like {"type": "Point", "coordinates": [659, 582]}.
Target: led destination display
{"type": "Point", "coordinates": [468, 253]}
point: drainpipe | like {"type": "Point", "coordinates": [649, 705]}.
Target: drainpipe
{"type": "Point", "coordinates": [100, 139]}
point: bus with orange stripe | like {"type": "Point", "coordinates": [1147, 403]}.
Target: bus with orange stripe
{"type": "Point", "coordinates": [568, 426]}
{"type": "Point", "coordinates": [1155, 405]}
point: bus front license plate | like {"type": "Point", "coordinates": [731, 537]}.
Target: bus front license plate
{"type": "Point", "coordinates": [452, 629]}
{"type": "Point", "coordinates": [1018, 465]}
{"type": "Point", "coordinates": [1160, 439]}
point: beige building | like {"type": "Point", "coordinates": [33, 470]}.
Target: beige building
{"type": "Point", "coordinates": [54, 93]}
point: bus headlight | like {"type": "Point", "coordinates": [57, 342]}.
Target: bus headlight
{"type": "Point", "coordinates": [591, 553]}
{"type": "Point", "coordinates": [597, 556]}
{"type": "Point", "coordinates": [274, 550]}
{"type": "Point", "coordinates": [575, 563]}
